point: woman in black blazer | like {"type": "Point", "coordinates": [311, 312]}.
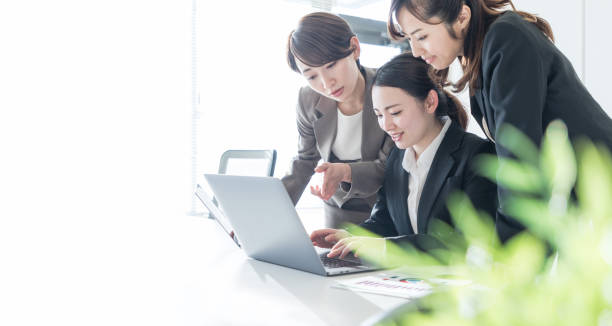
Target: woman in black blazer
{"type": "Point", "coordinates": [433, 157]}
{"type": "Point", "coordinates": [515, 73]}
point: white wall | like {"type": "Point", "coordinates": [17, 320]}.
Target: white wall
{"type": "Point", "coordinates": [582, 32]}
{"type": "Point", "coordinates": [566, 19]}
{"type": "Point", "coordinates": [599, 51]}
{"type": "Point", "coordinates": [95, 149]}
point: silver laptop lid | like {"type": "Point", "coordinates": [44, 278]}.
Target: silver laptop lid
{"type": "Point", "coordinates": [265, 221]}
{"type": "Point", "coordinates": [216, 213]}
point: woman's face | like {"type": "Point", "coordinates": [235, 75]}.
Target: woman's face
{"type": "Point", "coordinates": [406, 119]}
{"type": "Point", "coordinates": [337, 79]}
{"type": "Point", "coordinates": [433, 42]}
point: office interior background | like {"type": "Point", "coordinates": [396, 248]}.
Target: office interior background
{"type": "Point", "coordinates": [254, 92]}
{"type": "Point", "coordinates": [110, 111]}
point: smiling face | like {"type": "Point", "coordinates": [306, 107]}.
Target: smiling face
{"type": "Point", "coordinates": [432, 40]}
{"type": "Point", "coordinates": [409, 122]}
{"type": "Point", "coordinates": [337, 79]}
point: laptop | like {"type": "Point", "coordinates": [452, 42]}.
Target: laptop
{"type": "Point", "coordinates": [215, 213]}
{"type": "Point", "coordinates": [269, 228]}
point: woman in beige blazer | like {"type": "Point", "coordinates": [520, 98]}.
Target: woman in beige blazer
{"type": "Point", "coordinates": [335, 121]}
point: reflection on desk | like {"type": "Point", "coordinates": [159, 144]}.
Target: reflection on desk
{"type": "Point", "coordinates": [234, 289]}
{"type": "Point", "coordinates": [113, 266]}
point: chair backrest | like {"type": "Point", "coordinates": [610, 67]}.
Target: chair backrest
{"type": "Point", "coordinates": [248, 162]}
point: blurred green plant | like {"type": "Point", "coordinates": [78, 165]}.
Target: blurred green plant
{"type": "Point", "coordinates": [557, 272]}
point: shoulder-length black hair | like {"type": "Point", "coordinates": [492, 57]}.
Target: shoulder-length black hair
{"type": "Point", "coordinates": [319, 38]}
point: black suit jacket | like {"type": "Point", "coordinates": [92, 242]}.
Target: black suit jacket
{"type": "Point", "coordinates": [527, 82]}
{"type": "Point", "coordinates": [451, 169]}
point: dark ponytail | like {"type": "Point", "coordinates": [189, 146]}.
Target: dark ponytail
{"type": "Point", "coordinates": [454, 108]}
{"type": "Point", "coordinates": [412, 76]}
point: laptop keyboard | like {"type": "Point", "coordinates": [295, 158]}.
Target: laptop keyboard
{"type": "Point", "coordinates": [335, 262]}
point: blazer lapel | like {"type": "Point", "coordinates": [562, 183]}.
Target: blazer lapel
{"type": "Point", "coordinates": [325, 127]}
{"type": "Point", "coordinates": [399, 197]}
{"type": "Point", "coordinates": [476, 107]}
{"type": "Point", "coordinates": [479, 113]}
{"type": "Point", "coordinates": [438, 172]}
{"type": "Point", "coordinates": [372, 135]}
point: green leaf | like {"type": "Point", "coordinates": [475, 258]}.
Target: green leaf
{"type": "Point", "coordinates": [395, 255]}
{"type": "Point", "coordinates": [477, 229]}
{"type": "Point", "coordinates": [519, 144]}
{"type": "Point", "coordinates": [558, 161]}
{"type": "Point", "coordinates": [510, 174]}
{"type": "Point", "coordinates": [535, 215]}
{"type": "Point", "coordinates": [594, 187]}
{"type": "Point", "coordinates": [523, 258]}
{"type": "Point", "coordinates": [520, 283]}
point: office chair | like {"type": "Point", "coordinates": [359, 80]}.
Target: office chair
{"type": "Point", "coordinates": [247, 162]}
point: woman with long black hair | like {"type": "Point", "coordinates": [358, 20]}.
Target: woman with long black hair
{"type": "Point", "coordinates": [516, 75]}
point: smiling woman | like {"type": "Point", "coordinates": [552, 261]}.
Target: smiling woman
{"type": "Point", "coordinates": [434, 158]}
{"type": "Point", "coordinates": [516, 75]}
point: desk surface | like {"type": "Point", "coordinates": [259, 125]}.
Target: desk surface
{"type": "Point", "coordinates": [162, 269]}
{"type": "Point", "coordinates": [228, 288]}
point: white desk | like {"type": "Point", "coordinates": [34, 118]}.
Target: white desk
{"type": "Point", "coordinates": [160, 268]}
{"type": "Point", "coordinates": [227, 288]}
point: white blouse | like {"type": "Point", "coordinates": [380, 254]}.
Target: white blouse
{"type": "Point", "coordinates": [418, 170]}
{"type": "Point", "coordinates": [347, 145]}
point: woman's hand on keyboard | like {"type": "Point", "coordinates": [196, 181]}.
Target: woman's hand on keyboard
{"type": "Point", "coordinates": [326, 238]}
{"type": "Point", "coordinates": [358, 245]}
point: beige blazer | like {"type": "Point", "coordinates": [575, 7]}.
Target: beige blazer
{"type": "Point", "coordinates": [317, 118]}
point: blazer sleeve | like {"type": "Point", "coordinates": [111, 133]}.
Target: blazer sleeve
{"type": "Point", "coordinates": [481, 191]}
{"type": "Point", "coordinates": [516, 80]}
{"type": "Point", "coordinates": [367, 176]}
{"type": "Point", "coordinates": [302, 166]}
{"type": "Point", "coordinates": [380, 221]}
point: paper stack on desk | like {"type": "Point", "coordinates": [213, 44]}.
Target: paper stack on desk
{"type": "Point", "coordinates": [397, 285]}
{"type": "Point", "coordinates": [387, 284]}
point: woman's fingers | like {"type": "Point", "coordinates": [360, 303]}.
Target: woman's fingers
{"type": "Point", "coordinates": [337, 248]}
{"type": "Point", "coordinates": [332, 178]}
{"type": "Point", "coordinates": [345, 246]}
{"type": "Point", "coordinates": [347, 249]}
{"type": "Point", "coordinates": [331, 238]}
{"type": "Point", "coordinates": [324, 238]}
{"type": "Point", "coordinates": [329, 189]}
{"type": "Point", "coordinates": [333, 174]}
{"type": "Point", "coordinates": [337, 235]}
{"type": "Point", "coordinates": [316, 191]}
{"type": "Point", "coordinates": [322, 167]}
{"type": "Point", "coordinates": [329, 185]}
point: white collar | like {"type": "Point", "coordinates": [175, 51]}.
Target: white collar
{"type": "Point", "coordinates": [424, 162]}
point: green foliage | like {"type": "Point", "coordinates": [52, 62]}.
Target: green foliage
{"type": "Point", "coordinates": [555, 273]}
